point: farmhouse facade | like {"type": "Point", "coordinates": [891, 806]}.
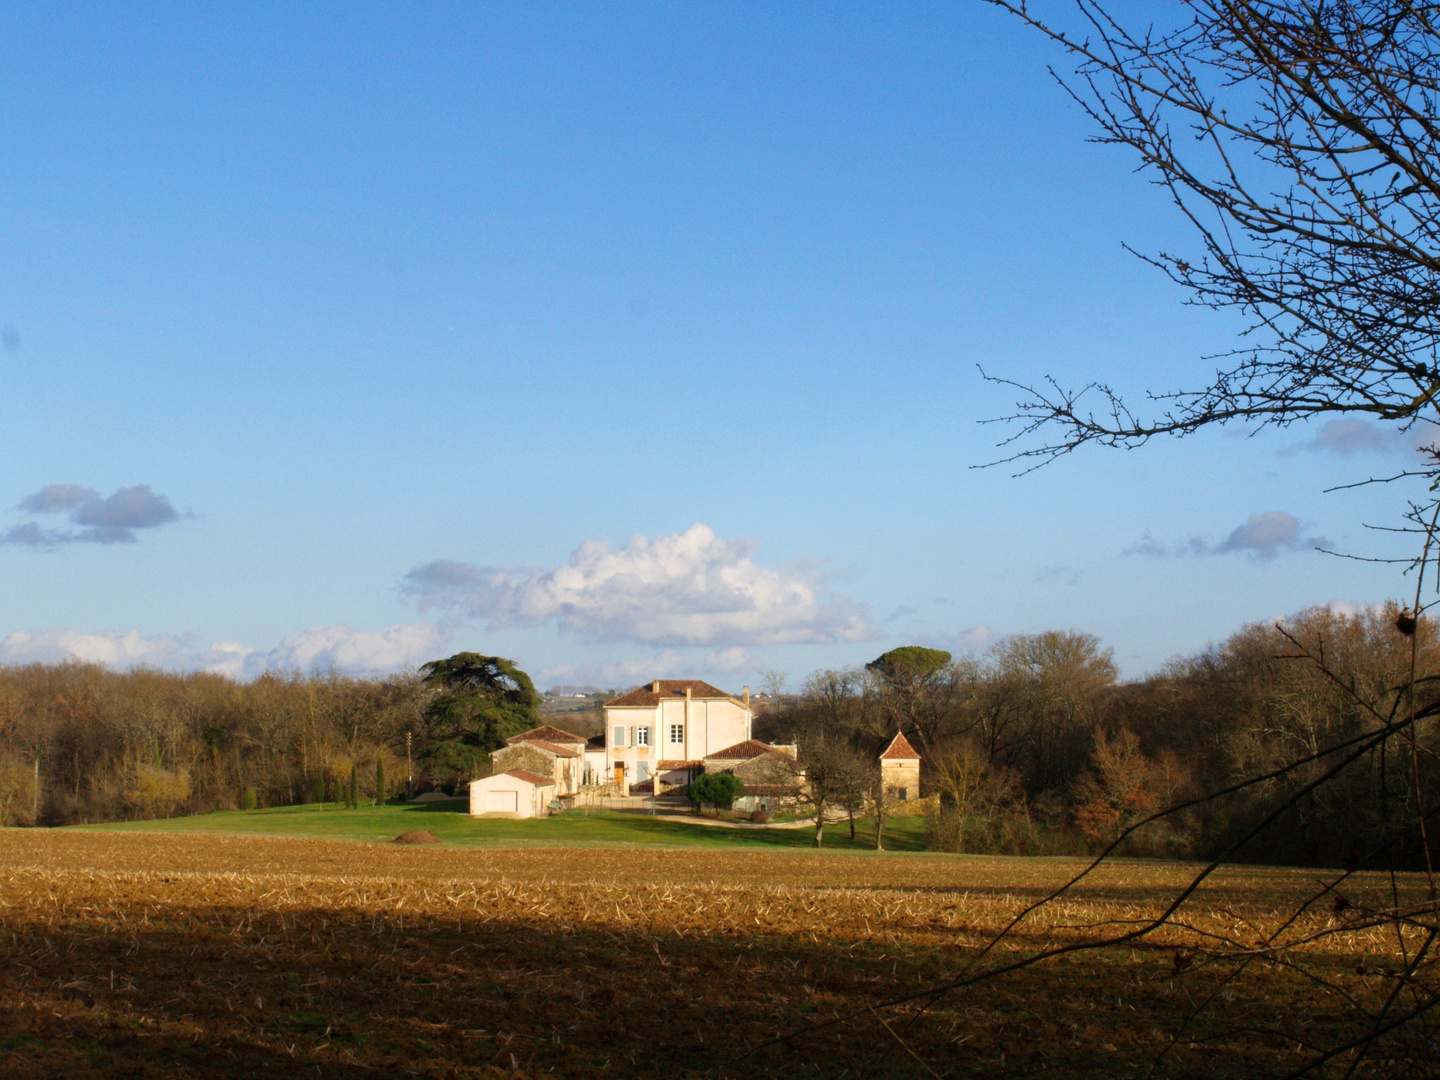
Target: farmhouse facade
{"type": "Point", "coordinates": [667, 728]}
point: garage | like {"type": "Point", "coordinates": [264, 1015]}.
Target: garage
{"type": "Point", "coordinates": [516, 793]}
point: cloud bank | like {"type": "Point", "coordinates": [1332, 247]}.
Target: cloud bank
{"type": "Point", "coordinates": [689, 588]}
{"type": "Point", "coordinates": [1350, 437]}
{"type": "Point", "coordinates": [1261, 538]}
{"type": "Point", "coordinates": [112, 520]}
{"type": "Point", "coordinates": [727, 668]}
{"type": "Point", "coordinates": [318, 649]}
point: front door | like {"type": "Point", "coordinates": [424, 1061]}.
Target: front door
{"type": "Point", "coordinates": [619, 774]}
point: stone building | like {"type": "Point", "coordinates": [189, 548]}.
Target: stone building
{"type": "Point", "coordinates": [900, 770]}
{"type": "Point", "coordinates": [546, 751]}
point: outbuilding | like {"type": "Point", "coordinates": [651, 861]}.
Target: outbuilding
{"type": "Point", "coordinates": [517, 793]}
{"type": "Point", "coordinates": [900, 769]}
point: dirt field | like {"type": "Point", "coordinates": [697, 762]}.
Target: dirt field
{"type": "Point", "coordinates": [186, 956]}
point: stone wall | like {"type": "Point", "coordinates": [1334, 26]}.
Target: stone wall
{"type": "Point", "coordinates": [767, 771]}
{"type": "Point", "coordinates": [523, 756]}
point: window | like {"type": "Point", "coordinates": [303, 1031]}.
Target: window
{"type": "Point", "coordinates": [642, 771]}
{"type": "Point", "coordinates": [618, 737]}
{"type": "Point", "coordinates": [642, 736]}
{"type": "Point", "coordinates": [904, 795]}
{"type": "Point", "coordinates": [677, 734]}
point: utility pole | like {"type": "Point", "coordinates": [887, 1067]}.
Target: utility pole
{"type": "Point", "coordinates": [35, 808]}
{"type": "Point", "coordinates": [409, 770]}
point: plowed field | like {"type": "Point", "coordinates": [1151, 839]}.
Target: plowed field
{"type": "Point", "coordinates": [152, 955]}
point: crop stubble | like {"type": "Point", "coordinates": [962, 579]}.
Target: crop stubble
{"type": "Point", "coordinates": [157, 955]}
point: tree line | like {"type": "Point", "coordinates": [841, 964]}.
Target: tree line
{"type": "Point", "coordinates": [1036, 746]}
{"type": "Point", "coordinates": [82, 743]}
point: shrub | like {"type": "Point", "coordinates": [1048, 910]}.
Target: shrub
{"type": "Point", "coordinates": [156, 791]}
{"type": "Point", "coordinates": [249, 800]}
{"type": "Point", "coordinates": [719, 789]}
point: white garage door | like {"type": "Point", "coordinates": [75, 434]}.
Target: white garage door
{"type": "Point", "coordinates": [508, 801]}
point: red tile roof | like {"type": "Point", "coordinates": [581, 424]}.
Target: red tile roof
{"type": "Point", "coordinates": [670, 766]}
{"type": "Point", "coordinates": [745, 751]}
{"type": "Point", "coordinates": [545, 733]}
{"type": "Point", "coordinates": [531, 778]}
{"type": "Point", "coordinates": [899, 749]}
{"type": "Point", "coordinates": [549, 748]}
{"type": "Point", "coordinates": [558, 751]}
{"type": "Point", "coordinates": [644, 695]}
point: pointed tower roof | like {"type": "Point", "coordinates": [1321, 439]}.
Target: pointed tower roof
{"type": "Point", "coordinates": [900, 749]}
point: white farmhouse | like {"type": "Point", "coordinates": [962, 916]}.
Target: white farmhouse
{"type": "Point", "coordinates": [668, 727]}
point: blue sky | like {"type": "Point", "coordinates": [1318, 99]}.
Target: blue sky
{"type": "Point", "coordinates": [628, 341]}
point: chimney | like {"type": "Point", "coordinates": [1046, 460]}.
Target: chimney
{"type": "Point", "coordinates": [747, 695]}
{"type": "Point", "coordinates": [687, 693]}
{"type": "Point", "coordinates": [655, 687]}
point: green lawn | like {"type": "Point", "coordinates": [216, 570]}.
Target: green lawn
{"type": "Point", "coordinates": [450, 822]}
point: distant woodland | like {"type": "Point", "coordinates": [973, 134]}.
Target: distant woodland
{"type": "Point", "coordinates": [1032, 747]}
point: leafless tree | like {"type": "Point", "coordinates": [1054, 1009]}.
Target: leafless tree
{"type": "Point", "coordinates": [1300, 139]}
{"type": "Point", "coordinates": [774, 683]}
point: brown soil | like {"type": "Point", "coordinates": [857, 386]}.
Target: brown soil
{"type": "Point", "coordinates": [417, 836]}
{"type": "Point", "coordinates": [155, 956]}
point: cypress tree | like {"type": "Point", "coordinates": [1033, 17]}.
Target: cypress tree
{"type": "Point", "coordinates": [354, 788]}
{"type": "Point", "coordinates": [379, 782]}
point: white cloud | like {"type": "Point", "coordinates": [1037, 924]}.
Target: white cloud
{"type": "Point", "coordinates": [1262, 537]}
{"type": "Point", "coordinates": [729, 666]}
{"type": "Point", "coordinates": [318, 649]}
{"type": "Point", "coordinates": [129, 508]}
{"type": "Point", "coordinates": [122, 650]}
{"type": "Point", "coordinates": [1266, 535]}
{"type": "Point", "coordinates": [111, 520]}
{"type": "Point", "coordinates": [1350, 437]}
{"type": "Point", "coordinates": [732, 659]}
{"type": "Point", "coordinates": [324, 647]}
{"type": "Point", "coordinates": [1146, 545]}
{"type": "Point", "coordinates": [53, 498]}
{"type": "Point", "coordinates": [1060, 573]}
{"type": "Point", "coordinates": [665, 664]}
{"type": "Point", "coordinates": [689, 588]}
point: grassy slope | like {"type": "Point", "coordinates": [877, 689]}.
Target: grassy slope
{"type": "Point", "coordinates": [451, 823]}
